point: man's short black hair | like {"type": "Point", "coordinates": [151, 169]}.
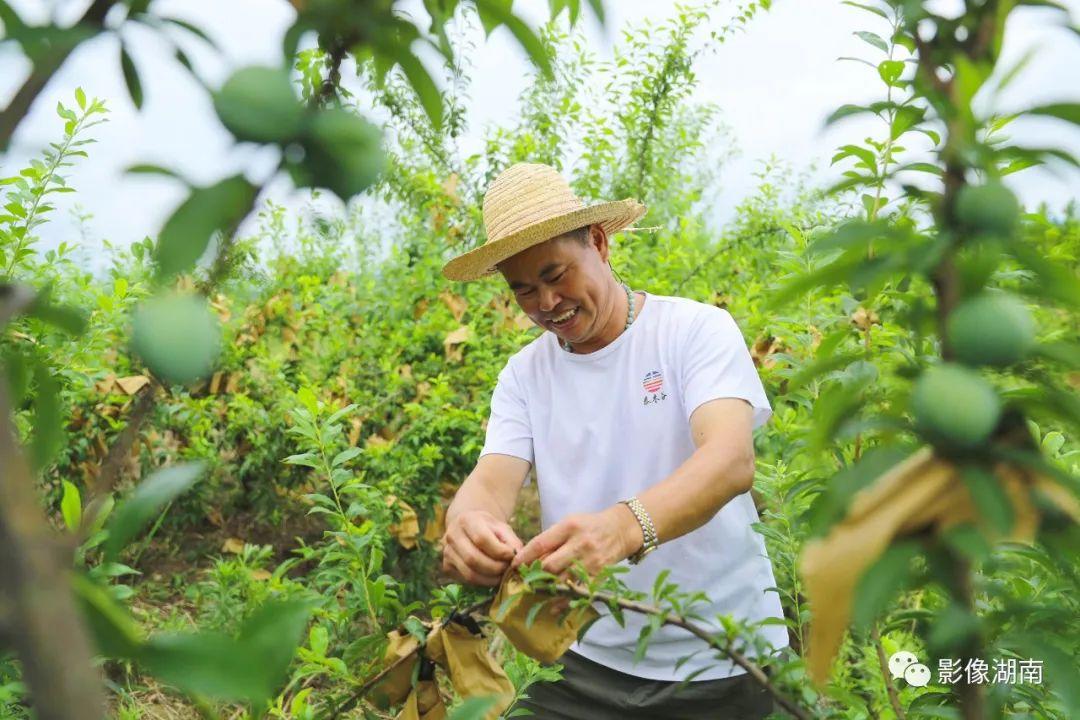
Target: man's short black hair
{"type": "Point", "coordinates": [581, 235]}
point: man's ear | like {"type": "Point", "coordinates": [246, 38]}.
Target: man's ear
{"type": "Point", "coordinates": [599, 239]}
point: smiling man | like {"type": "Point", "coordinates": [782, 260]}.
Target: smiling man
{"type": "Point", "coordinates": [637, 411]}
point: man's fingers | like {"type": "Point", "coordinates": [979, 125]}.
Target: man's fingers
{"type": "Point", "coordinates": [559, 561]}
{"type": "Point", "coordinates": [483, 536]}
{"type": "Point", "coordinates": [507, 535]}
{"type": "Point", "coordinates": [546, 542]}
{"type": "Point", "coordinates": [479, 562]}
{"type": "Point", "coordinates": [467, 573]}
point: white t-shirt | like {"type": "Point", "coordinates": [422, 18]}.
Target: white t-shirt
{"type": "Point", "coordinates": [603, 426]}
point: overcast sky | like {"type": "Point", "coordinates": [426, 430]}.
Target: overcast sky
{"type": "Point", "coordinates": [775, 83]}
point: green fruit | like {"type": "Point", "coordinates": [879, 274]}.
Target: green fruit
{"type": "Point", "coordinates": [258, 104]}
{"type": "Point", "coordinates": [991, 329]}
{"type": "Point", "coordinates": [989, 208]}
{"type": "Point", "coordinates": [177, 336]}
{"type": "Point", "coordinates": [344, 153]}
{"type": "Point", "coordinates": [955, 406]}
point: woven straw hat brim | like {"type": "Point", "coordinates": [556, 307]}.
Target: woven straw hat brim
{"type": "Point", "coordinates": [480, 262]}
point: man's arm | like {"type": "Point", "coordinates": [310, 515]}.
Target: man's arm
{"type": "Point", "coordinates": [479, 542]}
{"type": "Point", "coordinates": [721, 468]}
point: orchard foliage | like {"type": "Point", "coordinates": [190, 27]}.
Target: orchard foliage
{"type": "Point", "coordinates": [246, 444]}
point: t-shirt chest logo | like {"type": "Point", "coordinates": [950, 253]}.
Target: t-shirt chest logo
{"type": "Point", "coordinates": [654, 388]}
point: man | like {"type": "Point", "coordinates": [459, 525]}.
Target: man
{"type": "Point", "coordinates": [637, 412]}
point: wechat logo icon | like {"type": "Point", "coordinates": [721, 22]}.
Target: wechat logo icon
{"type": "Point", "coordinates": [904, 664]}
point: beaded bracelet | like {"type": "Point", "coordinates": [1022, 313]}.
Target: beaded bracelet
{"type": "Point", "coordinates": [648, 530]}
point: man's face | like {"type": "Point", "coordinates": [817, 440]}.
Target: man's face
{"type": "Point", "coordinates": [563, 276]}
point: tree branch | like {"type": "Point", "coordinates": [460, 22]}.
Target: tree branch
{"type": "Point", "coordinates": [576, 590]}
{"type": "Point", "coordinates": [46, 66]}
{"type": "Point", "coordinates": [121, 446]}
{"type": "Point", "coordinates": [38, 612]}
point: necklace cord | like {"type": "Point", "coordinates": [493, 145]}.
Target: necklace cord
{"type": "Point", "coordinates": [629, 317]}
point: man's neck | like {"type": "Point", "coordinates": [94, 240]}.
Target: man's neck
{"type": "Point", "coordinates": [614, 322]}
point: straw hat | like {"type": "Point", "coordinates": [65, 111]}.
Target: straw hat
{"type": "Point", "coordinates": [527, 205]}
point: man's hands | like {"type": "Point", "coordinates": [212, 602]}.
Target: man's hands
{"type": "Point", "coordinates": [478, 548]}
{"type": "Point", "coordinates": [596, 539]}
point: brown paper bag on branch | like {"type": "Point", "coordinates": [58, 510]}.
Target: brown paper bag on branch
{"type": "Point", "coordinates": [407, 528]}
{"type": "Point", "coordinates": [397, 683]}
{"type": "Point", "coordinates": [424, 703]}
{"type": "Point", "coordinates": [463, 653]}
{"type": "Point", "coordinates": [552, 631]}
{"type": "Point", "coordinates": [922, 492]}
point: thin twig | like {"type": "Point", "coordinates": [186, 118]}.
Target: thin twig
{"type": "Point", "coordinates": [752, 669]}
{"type": "Point", "coordinates": [886, 676]}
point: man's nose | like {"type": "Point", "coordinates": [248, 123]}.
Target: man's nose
{"type": "Point", "coordinates": [549, 299]}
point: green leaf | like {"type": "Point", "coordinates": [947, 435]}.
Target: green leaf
{"type": "Point", "coordinates": [1059, 667]}
{"type": "Point", "coordinates": [934, 137]}
{"type": "Point", "coordinates": [343, 412]}
{"type": "Point", "coordinates": [831, 504]}
{"type": "Point", "coordinates": [868, 8]}
{"type": "Point", "coordinates": [847, 110]}
{"type": "Point", "coordinates": [273, 632]}
{"type": "Point", "coordinates": [1069, 112]}
{"type": "Point", "coordinates": [851, 236]}
{"type": "Point", "coordinates": [491, 12]}
{"type": "Point", "coordinates": [499, 12]}
{"type": "Point", "coordinates": [149, 169]}
{"type": "Point", "coordinates": [419, 79]}
{"type": "Point", "coordinates": [307, 459]}
{"type": "Point", "coordinates": [319, 640]}
{"type": "Point", "coordinates": [1052, 443]}
{"type": "Point", "coordinates": [475, 708]}
{"type": "Point", "coordinates": [952, 628]}
{"type": "Point", "coordinates": [345, 456]}
{"type": "Point", "coordinates": [193, 29]}
{"type": "Point", "coordinates": [1065, 353]}
{"type": "Point", "coordinates": [249, 668]}
{"type": "Point", "coordinates": [97, 512]}
{"type": "Point", "coordinates": [882, 582]}
{"type": "Point", "coordinates": [146, 501]}
{"type": "Point", "coordinates": [48, 422]}
{"type": "Point", "coordinates": [71, 320]}
{"type": "Point", "coordinates": [186, 235]}
{"type": "Point", "coordinates": [989, 497]}
{"type": "Point", "coordinates": [874, 39]}
{"type": "Point", "coordinates": [598, 9]}
{"type": "Point", "coordinates": [1054, 280]}
{"type": "Point", "coordinates": [890, 71]}
{"type": "Point", "coordinates": [967, 80]}
{"type": "Point", "coordinates": [71, 506]}
{"type": "Point", "coordinates": [573, 7]}
{"type": "Point", "coordinates": [115, 633]}
{"type": "Point", "coordinates": [131, 77]}
{"type": "Point", "coordinates": [864, 154]}
{"type": "Point", "coordinates": [921, 167]}
{"type": "Point", "coordinates": [1044, 3]}
{"type": "Point", "coordinates": [906, 117]}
